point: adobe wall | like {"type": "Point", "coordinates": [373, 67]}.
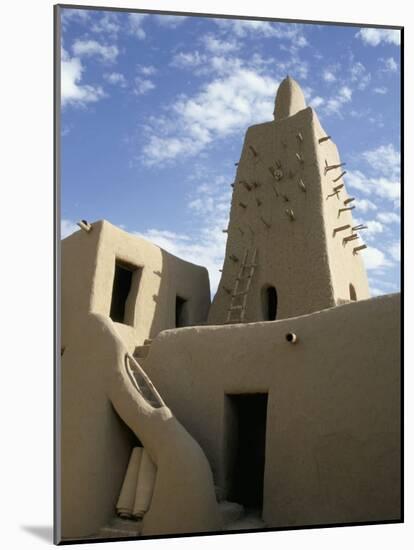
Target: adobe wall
{"type": "Point", "coordinates": [333, 420]}
{"type": "Point", "coordinates": [78, 264]}
{"type": "Point", "coordinates": [95, 443]}
{"type": "Point", "coordinates": [88, 265]}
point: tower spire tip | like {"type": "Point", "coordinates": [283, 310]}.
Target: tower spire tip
{"type": "Point", "coordinates": [289, 99]}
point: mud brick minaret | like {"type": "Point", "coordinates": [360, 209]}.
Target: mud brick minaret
{"type": "Point", "coordinates": [293, 247]}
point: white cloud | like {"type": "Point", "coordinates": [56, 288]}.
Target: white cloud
{"type": "Point", "coordinates": [209, 202]}
{"type": "Point", "coordinates": [389, 217]}
{"type": "Point", "coordinates": [265, 29]}
{"type": "Point", "coordinates": [72, 91]}
{"type": "Point", "coordinates": [146, 70]}
{"type": "Point", "coordinates": [387, 189]}
{"type": "Point", "coordinates": [364, 205]}
{"type": "Point", "coordinates": [222, 107]}
{"type": "Point", "coordinates": [375, 291]}
{"type": "Point", "coordinates": [381, 286]}
{"type": "Point", "coordinates": [136, 21]}
{"type": "Point", "coordinates": [90, 48]}
{"type": "Point", "coordinates": [164, 149]}
{"type": "Point", "coordinates": [206, 248]}
{"type": "Point", "coordinates": [221, 65]}
{"type": "Point", "coordinates": [345, 93]}
{"type": "Point", "coordinates": [170, 20]}
{"type": "Point", "coordinates": [116, 78]}
{"type": "Point", "coordinates": [259, 62]}
{"type": "Point", "coordinates": [390, 65]}
{"type": "Point", "coordinates": [142, 85]}
{"type": "Point", "coordinates": [374, 227]}
{"type": "Point", "coordinates": [205, 62]}
{"type": "Point", "coordinates": [227, 65]}
{"type": "Point", "coordinates": [293, 66]}
{"type": "Point", "coordinates": [301, 41]}
{"type": "Point", "coordinates": [200, 205]}
{"type": "Point", "coordinates": [79, 15]}
{"type": "Point", "coordinates": [378, 120]}
{"type": "Point", "coordinates": [380, 186]}
{"type": "Point", "coordinates": [160, 237]}
{"type": "Point", "coordinates": [359, 75]}
{"type": "Point", "coordinates": [374, 258]}
{"type": "Point", "coordinates": [217, 46]}
{"type": "Point", "coordinates": [184, 60]}
{"type": "Point", "coordinates": [67, 227]}
{"type": "Point", "coordinates": [65, 130]}
{"type": "Point", "coordinates": [335, 104]}
{"type": "Point", "coordinates": [328, 75]}
{"type": "Point", "coordinates": [385, 160]}
{"type": "Point", "coordinates": [395, 251]}
{"type": "Point", "coordinates": [380, 90]}
{"type": "Point", "coordinates": [108, 23]}
{"type": "Point", "coordinates": [382, 180]}
{"type": "Point", "coordinates": [359, 113]}
{"type": "Point", "coordinates": [316, 101]}
{"type": "Point", "coordinates": [374, 37]}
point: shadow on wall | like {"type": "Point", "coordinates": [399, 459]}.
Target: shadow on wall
{"type": "Point", "coordinates": [126, 285]}
{"type": "Point", "coordinates": [269, 303]}
{"type": "Point", "coordinates": [178, 302]}
{"type": "Point", "coordinates": [177, 295]}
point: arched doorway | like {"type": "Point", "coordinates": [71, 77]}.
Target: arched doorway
{"type": "Point", "coordinates": [269, 299]}
{"type": "Point", "coordinates": [352, 293]}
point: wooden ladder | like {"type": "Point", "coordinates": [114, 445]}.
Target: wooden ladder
{"type": "Point", "coordinates": [240, 309]}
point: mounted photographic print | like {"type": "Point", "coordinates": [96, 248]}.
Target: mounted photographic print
{"type": "Point", "coordinates": [228, 312]}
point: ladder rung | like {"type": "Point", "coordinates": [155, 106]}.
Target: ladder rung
{"type": "Point", "coordinates": [239, 293]}
{"type": "Point", "coordinates": [235, 320]}
{"type": "Point", "coordinates": [244, 277]}
{"type": "Point", "coordinates": [233, 308]}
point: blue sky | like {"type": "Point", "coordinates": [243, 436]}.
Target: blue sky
{"type": "Point", "coordinates": [154, 111]}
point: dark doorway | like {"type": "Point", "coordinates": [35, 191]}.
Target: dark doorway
{"type": "Point", "coordinates": [269, 303]}
{"type": "Point", "coordinates": [181, 316]}
{"type": "Point", "coordinates": [124, 292]}
{"type": "Point", "coordinates": [246, 431]}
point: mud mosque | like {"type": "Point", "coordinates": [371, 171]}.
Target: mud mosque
{"type": "Point", "coordinates": [276, 405]}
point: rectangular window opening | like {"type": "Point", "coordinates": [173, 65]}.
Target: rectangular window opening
{"type": "Point", "coordinates": [124, 292]}
{"type": "Point", "coordinates": [181, 312]}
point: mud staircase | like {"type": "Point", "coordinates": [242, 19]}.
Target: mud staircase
{"type": "Point", "coordinates": [234, 518]}
{"type": "Point", "coordinates": [236, 311]}
{"type": "Point", "coordinates": [119, 528]}
{"type": "Point", "coordinates": [141, 352]}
